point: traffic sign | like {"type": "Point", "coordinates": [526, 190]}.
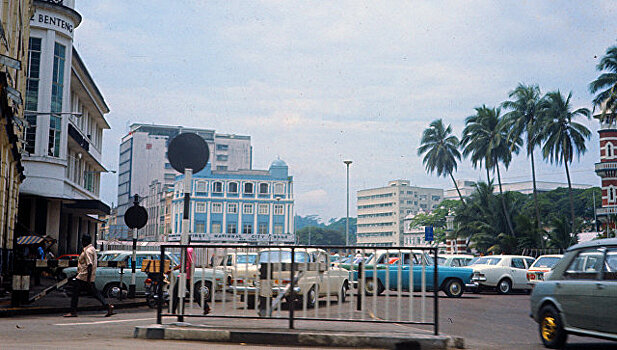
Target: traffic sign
{"type": "Point", "coordinates": [136, 216]}
{"type": "Point", "coordinates": [188, 151]}
{"type": "Point", "coordinates": [428, 233]}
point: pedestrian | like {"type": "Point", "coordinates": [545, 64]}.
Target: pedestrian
{"type": "Point", "coordinates": [86, 275]}
{"type": "Point", "coordinates": [189, 268]}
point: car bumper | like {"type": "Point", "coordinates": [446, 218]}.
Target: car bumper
{"type": "Point", "coordinates": [472, 286]}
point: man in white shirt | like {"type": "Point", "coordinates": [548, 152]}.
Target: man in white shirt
{"type": "Point", "coordinates": [84, 281]}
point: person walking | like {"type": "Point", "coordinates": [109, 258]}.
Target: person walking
{"type": "Point", "coordinates": [84, 281]}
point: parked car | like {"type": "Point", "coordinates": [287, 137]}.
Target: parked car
{"type": "Point", "coordinates": [542, 265]}
{"type": "Point", "coordinates": [455, 260]}
{"type": "Point", "coordinates": [383, 269]}
{"type": "Point", "coordinates": [111, 279]}
{"type": "Point", "coordinates": [580, 295]}
{"type": "Point", "coordinates": [240, 268]}
{"type": "Point", "coordinates": [502, 273]}
{"type": "Point", "coordinates": [68, 257]}
{"type": "Point", "coordinates": [316, 276]}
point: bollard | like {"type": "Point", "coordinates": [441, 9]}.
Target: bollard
{"type": "Point", "coordinates": [360, 285]}
{"type": "Point", "coordinates": [21, 283]}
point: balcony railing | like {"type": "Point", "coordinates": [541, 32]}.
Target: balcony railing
{"type": "Point", "coordinates": [606, 211]}
{"type": "Point", "coordinates": [606, 166]}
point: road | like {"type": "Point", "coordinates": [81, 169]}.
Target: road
{"type": "Point", "coordinates": [486, 321]}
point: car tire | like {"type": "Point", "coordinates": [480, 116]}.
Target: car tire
{"type": "Point", "coordinates": [343, 296]}
{"type": "Point", "coordinates": [551, 329]}
{"type": "Point", "coordinates": [504, 286]}
{"type": "Point", "coordinates": [311, 298]}
{"type": "Point", "coordinates": [107, 289]}
{"type": "Point", "coordinates": [207, 289]}
{"type": "Point", "coordinates": [454, 288]}
{"type": "Point", "coordinates": [369, 288]}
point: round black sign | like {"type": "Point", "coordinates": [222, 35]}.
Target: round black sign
{"type": "Point", "coordinates": [188, 151]}
{"type": "Point", "coordinates": [136, 217]}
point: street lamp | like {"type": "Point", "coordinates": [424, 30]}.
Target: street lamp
{"type": "Point", "coordinates": [347, 162]}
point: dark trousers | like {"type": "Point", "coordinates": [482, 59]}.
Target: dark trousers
{"type": "Point", "coordinates": [78, 287]}
{"type": "Point", "coordinates": [175, 299]}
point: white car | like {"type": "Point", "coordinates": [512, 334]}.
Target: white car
{"type": "Point", "coordinates": [455, 260]}
{"type": "Point", "coordinates": [240, 268]}
{"type": "Point", "coordinates": [540, 267]}
{"type": "Point", "coordinates": [502, 273]}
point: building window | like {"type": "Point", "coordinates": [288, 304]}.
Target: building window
{"type": "Point", "coordinates": [232, 208]}
{"type": "Point", "coordinates": [263, 188]}
{"type": "Point", "coordinates": [217, 208]}
{"type": "Point", "coordinates": [221, 157]}
{"type": "Point", "coordinates": [217, 187]}
{"type": "Point", "coordinates": [263, 229]}
{"type": "Point", "coordinates": [278, 209]}
{"type": "Point", "coordinates": [200, 226]}
{"type": "Point", "coordinates": [221, 167]}
{"type": "Point", "coordinates": [200, 207]}
{"type": "Point", "coordinates": [248, 188]}
{"type": "Point", "coordinates": [278, 229]}
{"type": "Point", "coordinates": [247, 209]}
{"type": "Point", "coordinates": [220, 147]}
{"type": "Point", "coordinates": [201, 186]}
{"type": "Point", "coordinates": [57, 78]}
{"type": "Point", "coordinates": [216, 227]}
{"type": "Point", "coordinates": [32, 91]}
{"type": "Point", "coordinates": [264, 209]}
{"type": "Point", "coordinates": [610, 150]}
{"type": "Point", "coordinates": [231, 228]}
{"type": "Point", "coordinates": [247, 228]}
{"type": "Point", "coordinates": [233, 187]}
{"type": "Point", "coordinates": [279, 189]}
{"type": "Point", "coordinates": [55, 129]}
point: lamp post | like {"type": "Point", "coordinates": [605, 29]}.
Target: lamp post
{"type": "Point", "coordinates": [347, 162]}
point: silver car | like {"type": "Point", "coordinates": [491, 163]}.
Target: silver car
{"type": "Point", "coordinates": [580, 296]}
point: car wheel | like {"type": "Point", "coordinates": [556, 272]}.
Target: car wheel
{"type": "Point", "coordinates": [343, 296]}
{"type": "Point", "coordinates": [504, 286]}
{"type": "Point", "coordinates": [551, 329]}
{"type": "Point", "coordinates": [369, 287]}
{"type": "Point", "coordinates": [454, 288]}
{"type": "Point", "coordinates": [311, 298]}
{"type": "Point", "coordinates": [206, 290]}
{"type": "Point", "coordinates": [107, 290]}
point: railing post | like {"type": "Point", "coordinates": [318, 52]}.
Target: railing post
{"type": "Point", "coordinates": [361, 285]}
{"type": "Point", "coordinates": [436, 293]}
{"type": "Point", "coordinates": [292, 294]}
{"type": "Point", "coordinates": [159, 291]}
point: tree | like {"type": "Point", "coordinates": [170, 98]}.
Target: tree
{"type": "Point", "coordinates": [485, 137]}
{"type": "Point", "coordinates": [441, 151]}
{"type": "Point", "coordinates": [563, 137]}
{"type": "Point", "coordinates": [606, 86]}
{"type": "Point", "coordinates": [561, 235]}
{"type": "Point", "coordinates": [320, 236]}
{"type": "Point", "coordinates": [524, 118]}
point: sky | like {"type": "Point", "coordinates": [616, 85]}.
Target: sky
{"type": "Point", "coordinates": [319, 82]}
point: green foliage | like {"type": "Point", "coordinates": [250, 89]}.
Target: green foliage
{"type": "Point", "coordinates": [320, 236]}
{"type": "Point", "coordinates": [605, 86]}
{"type": "Point", "coordinates": [327, 234]}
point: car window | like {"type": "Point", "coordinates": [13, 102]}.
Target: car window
{"type": "Point", "coordinates": [230, 260]}
{"type": "Point", "coordinates": [246, 259]}
{"type": "Point", "coordinates": [282, 256]}
{"type": "Point", "coordinates": [529, 262]}
{"type": "Point", "coordinates": [517, 263]}
{"type": "Point", "coordinates": [610, 265]}
{"type": "Point", "coordinates": [546, 262]}
{"type": "Point", "coordinates": [441, 260]}
{"type": "Point", "coordinates": [487, 261]}
{"type": "Point", "coordinates": [586, 265]}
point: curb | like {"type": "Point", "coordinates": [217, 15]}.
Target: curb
{"type": "Point", "coordinates": [42, 310]}
{"type": "Point", "coordinates": [299, 338]}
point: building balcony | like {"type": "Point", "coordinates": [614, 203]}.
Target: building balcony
{"type": "Point", "coordinates": [604, 167]}
{"type": "Point", "coordinates": [606, 211]}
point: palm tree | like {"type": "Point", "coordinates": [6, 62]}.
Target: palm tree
{"type": "Point", "coordinates": [524, 118]}
{"type": "Point", "coordinates": [485, 137]}
{"type": "Point", "coordinates": [561, 235]}
{"type": "Point", "coordinates": [606, 84]}
{"type": "Point", "coordinates": [441, 148]}
{"type": "Point", "coordinates": [564, 137]}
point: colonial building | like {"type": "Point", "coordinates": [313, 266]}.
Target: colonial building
{"type": "Point", "coordinates": [15, 28]}
{"type": "Point", "coordinates": [66, 118]}
{"type": "Point", "coordinates": [607, 170]}
{"type": "Point", "coordinates": [237, 206]}
{"type": "Point", "coordinates": [143, 161]}
{"type": "Point", "coordinates": [382, 211]}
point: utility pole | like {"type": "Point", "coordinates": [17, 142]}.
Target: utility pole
{"type": "Point", "coordinates": [347, 162]}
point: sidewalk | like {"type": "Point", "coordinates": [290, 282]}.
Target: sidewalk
{"type": "Point", "coordinates": [306, 333]}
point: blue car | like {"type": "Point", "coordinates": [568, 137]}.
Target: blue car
{"type": "Point", "coordinates": [385, 267]}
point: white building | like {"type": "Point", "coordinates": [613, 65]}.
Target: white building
{"type": "Point", "coordinates": [143, 161]}
{"type": "Point", "coordinates": [526, 187]}
{"type": "Point", "coordinates": [382, 210]}
{"type": "Point", "coordinates": [66, 115]}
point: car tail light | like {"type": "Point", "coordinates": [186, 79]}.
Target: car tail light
{"type": "Point", "coordinates": [148, 281]}
{"type": "Point", "coordinates": [531, 276]}
{"type": "Point", "coordinates": [286, 281]}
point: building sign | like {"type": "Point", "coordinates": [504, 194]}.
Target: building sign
{"type": "Point", "coordinates": [237, 237]}
{"type": "Point", "coordinates": [52, 20]}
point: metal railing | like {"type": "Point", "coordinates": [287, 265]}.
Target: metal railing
{"type": "Point", "coordinates": [307, 283]}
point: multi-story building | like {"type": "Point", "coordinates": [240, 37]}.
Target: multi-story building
{"type": "Point", "coordinates": [66, 117]}
{"type": "Point", "coordinates": [467, 187]}
{"type": "Point", "coordinates": [607, 170]}
{"type": "Point", "coordinates": [143, 160]}
{"type": "Point", "coordinates": [15, 28]}
{"type": "Point", "coordinates": [158, 205]}
{"type": "Point", "coordinates": [237, 206]}
{"type": "Point", "coordinates": [381, 211]}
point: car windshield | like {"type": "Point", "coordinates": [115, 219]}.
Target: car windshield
{"type": "Point", "coordinates": [108, 256]}
{"type": "Point", "coordinates": [282, 256]}
{"type": "Point", "coordinates": [246, 259]}
{"type": "Point", "coordinates": [546, 262]}
{"type": "Point", "coordinates": [487, 261]}
{"type": "Point", "coordinates": [441, 260]}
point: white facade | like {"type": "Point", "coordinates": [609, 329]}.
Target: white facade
{"type": "Point", "coordinates": [381, 211]}
{"type": "Point", "coordinates": [66, 116]}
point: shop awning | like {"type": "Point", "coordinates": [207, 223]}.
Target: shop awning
{"type": "Point", "coordinates": [25, 240]}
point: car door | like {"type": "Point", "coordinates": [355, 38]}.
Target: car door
{"type": "Point", "coordinates": [519, 273]}
{"type": "Point", "coordinates": [576, 291]}
{"type": "Point", "coordinates": [606, 294]}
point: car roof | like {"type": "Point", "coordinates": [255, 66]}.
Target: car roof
{"type": "Point", "coordinates": [456, 256]}
{"type": "Point", "coordinates": [594, 243]}
{"type": "Point", "coordinates": [550, 256]}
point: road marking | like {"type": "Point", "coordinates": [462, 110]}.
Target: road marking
{"type": "Point", "coordinates": [99, 322]}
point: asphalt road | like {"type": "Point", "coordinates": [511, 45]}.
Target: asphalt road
{"type": "Point", "coordinates": [486, 321]}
